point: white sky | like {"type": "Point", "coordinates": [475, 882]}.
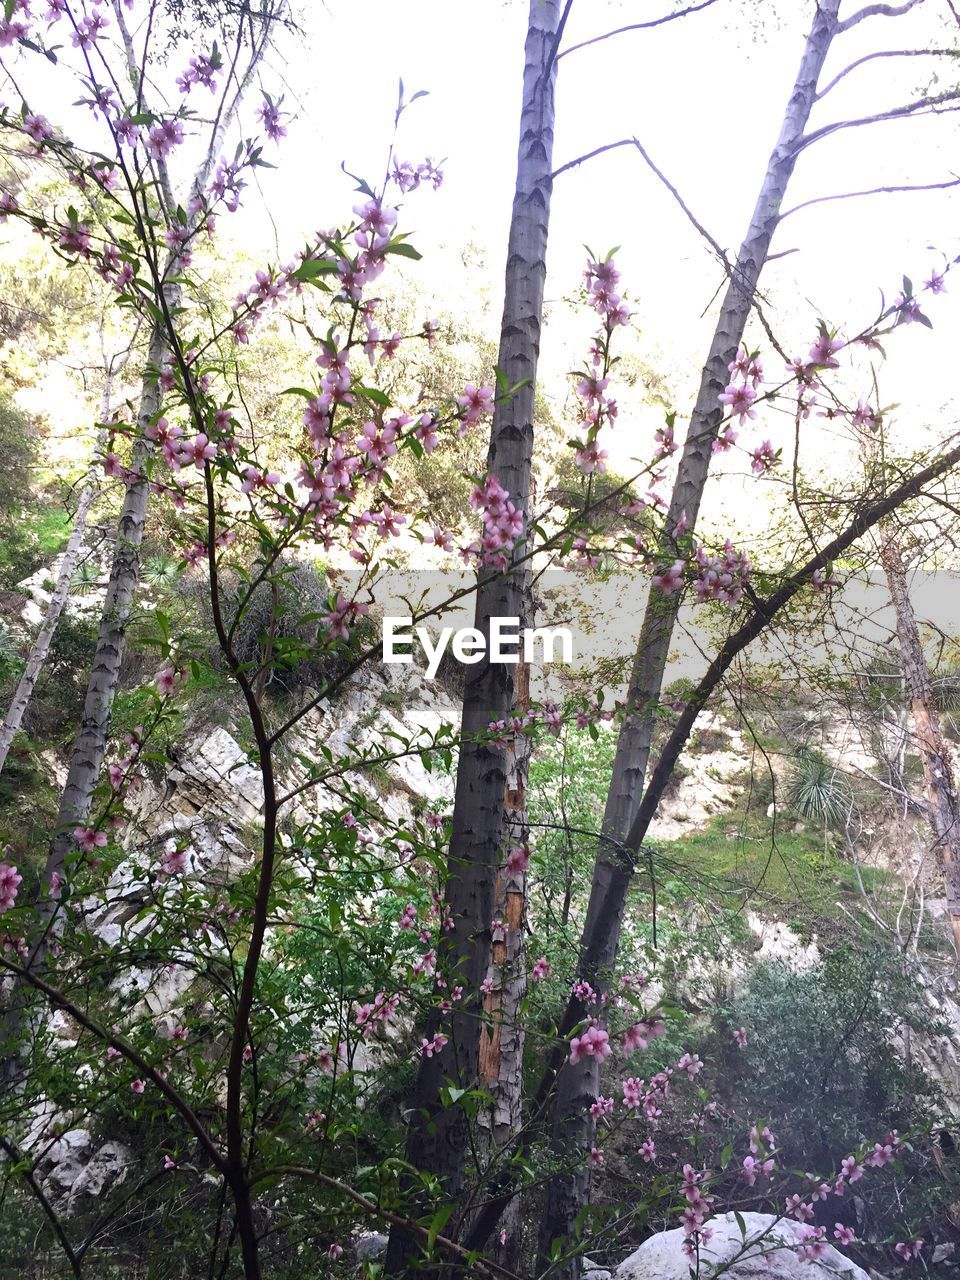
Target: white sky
{"type": "Point", "coordinates": [705, 95]}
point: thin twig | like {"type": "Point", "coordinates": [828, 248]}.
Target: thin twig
{"type": "Point", "coordinates": [873, 191]}
{"type": "Point", "coordinates": [638, 26]}
{"type": "Point", "coordinates": [887, 53]}
{"type": "Point", "coordinates": [920, 106]}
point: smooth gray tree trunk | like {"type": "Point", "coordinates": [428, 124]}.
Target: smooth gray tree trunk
{"type": "Point", "coordinates": [579, 1085]}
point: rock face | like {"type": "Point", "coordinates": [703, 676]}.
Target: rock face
{"type": "Point", "coordinates": [662, 1257]}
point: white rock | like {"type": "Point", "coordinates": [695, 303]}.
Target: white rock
{"type": "Point", "coordinates": [371, 1245]}
{"type": "Point", "coordinates": [662, 1257]}
{"type": "Point", "coordinates": [107, 1168]}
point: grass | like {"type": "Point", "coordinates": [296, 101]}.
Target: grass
{"type": "Point", "coordinates": [787, 871]}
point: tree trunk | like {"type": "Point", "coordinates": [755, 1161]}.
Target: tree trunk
{"type": "Point", "coordinates": [578, 1085]}
{"type": "Point", "coordinates": [438, 1140]}
{"type": "Point", "coordinates": [71, 555]}
{"type": "Point", "coordinates": [41, 644]}
{"type": "Point", "coordinates": [90, 744]}
{"type": "Point", "coordinates": [942, 805]}
{"type": "Point", "coordinates": [501, 1041]}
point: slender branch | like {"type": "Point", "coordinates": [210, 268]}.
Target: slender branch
{"type": "Point", "coordinates": [714, 245]}
{"type": "Point", "coordinates": [922, 105]}
{"type": "Point", "coordinates": [877, 10]}
{"type": "Point", "coordinates": [61, 1001]}
{"type": "Point", "coordinates": [597, 151]}
{"type": "Point", "coordinates": [872, 191]}
{"type": "Point", "coordinates": [18, 1156]}
{"type": "Point", "coordinates": [887, 53]}
{"type": "Point", "coordinates": [640, 26]}
{"type": "Point", "coordinates": [484, 1265]}
{"type": "Point", "coordinates": [552, 55]}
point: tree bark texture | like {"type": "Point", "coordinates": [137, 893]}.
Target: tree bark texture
{"type": "Point", "coordinates": [579, 1085]}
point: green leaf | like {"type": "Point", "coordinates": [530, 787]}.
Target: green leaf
{"type": "Point", "coordinates": [403, 249]}
{"type": "Point", "coordinates": [437, 1224]}
{"type": "Point", "coordinates": [308, 271]}
{"type": "Point", "coordinates": [299, 391]}
{"type": "Point", "coordinates": [374, 394]}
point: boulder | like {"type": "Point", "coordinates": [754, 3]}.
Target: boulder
{"type": "Point", "coordinates": [662, 1257]}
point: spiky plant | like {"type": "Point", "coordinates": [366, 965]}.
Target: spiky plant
{"type": "Point", "coordinates": [818, 791]}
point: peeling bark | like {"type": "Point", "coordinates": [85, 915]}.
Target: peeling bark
{"type": "Point", "coordinates": [439, 1140]}
{"type": "Point", "coordinates": [943, 808]}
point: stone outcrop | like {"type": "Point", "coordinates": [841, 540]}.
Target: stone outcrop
{"type": "Point", "coordinates": [767, 1249]}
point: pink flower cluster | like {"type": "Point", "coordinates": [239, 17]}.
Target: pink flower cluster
{"type": "Point", "coordinates": [593, 1043]}
{"type": "Point", "coordinates": [699, 1204]}
{"type": "Point", "coordinates": [738, 397]}
{"type": "Point", "coordinates": [370, 1017]}
{"type": "Point", "coordinates": [503, 523]}
{"type": "Point", "coordinates": [722, 577]}
{"type": "Point", "coordinates": [201, 70]}
{"type": "Point", "coordinates": [408, 176]}
{"type": "Point", "coordinates": [9, 880]}
{"type": "Point", "coordinates": [429, 1047]}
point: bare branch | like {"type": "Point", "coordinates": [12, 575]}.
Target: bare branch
{"type": "Point", "coordinates": [887, 53]}
{"type": "Point", "coordinates": [552, 56]}
{"type": "Point", "coordinates": [921, 106]}
{"type": "Point", "coordinates": [639, 26]}
{"type": "Point", "coordinates": [877, 11]}
{"type": "Point", "coordinates": [60, 1001]}
{"type": "Point", "coordinates": [872, 191]}
{"type": "Point", "coordinates": [18, 1156]}
{"type": "Point", "coordinates": [597, 151]}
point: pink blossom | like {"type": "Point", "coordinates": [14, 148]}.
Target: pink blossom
{"type": "Point", "coordinates": [594, 1043]}
{"type": "Point", "coordinates": [335, 1252]}
{"type": "Point", "coordinates": [647, 1151]}
{"type": "Point", "coordinates": [163, 137]}
{"type": "Point", "coordinates": [824, 349]}
{"type": "Point", "coordinates": [541, 969]}
{"type": "Point", "coordinates": [167, 680]}
{"type": "Point", "coordinates": [850, 1169]}
{"type": "Point", "coordinates": [739, 398]}
{"type": "Point", "coordinates": [909, 1249]}
{"type": "Point", "coordinates": [518, 860]}
{"type": "Point", "coordinates": [936, 282]}
{"type": "Point", "coordinates": [765, 458]}
{"type": "Point", "coordinates": [796, 1207]}
{"type": "Point", "coordinates": [814, 1245]}
{"type": "Point", "coordinates": [429, 1047]}
{"type": "Point", "coordinates": [38, 128]}
{"type": "Point", "coordinates": [138, 1086]}
{"type": "Point", "coordinates": [269, 113]}
{"type": "Point", "coordinates": [9, 880]}
{"type": "Point", "coordinates": [168, 1164]}
{"type": "Point", "coordinates": [475, 401]}
{"type": "Point", "coordinates": [669, 579]}
{"type": "Point", "coordinates": [740, 1036]}
{"type": "Point", "coordinates": [88, 839]}
{"type": "Point", "coordinates": [844, 1235]}
{"type": "Point", "coordinates": [595, 1156]}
